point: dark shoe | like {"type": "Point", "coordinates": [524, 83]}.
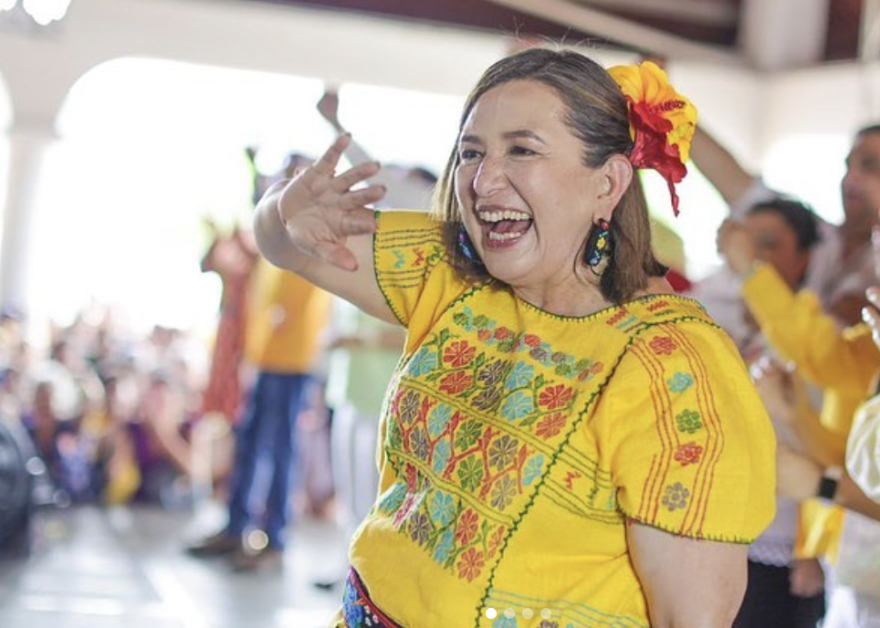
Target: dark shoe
{"type": "Point", "coordinates": [220, 544]}
{"type": "Point", "coordinates": [266, 559]}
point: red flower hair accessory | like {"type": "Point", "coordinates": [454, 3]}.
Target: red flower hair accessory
{"type": "Point", "coordinates": [661, 122]}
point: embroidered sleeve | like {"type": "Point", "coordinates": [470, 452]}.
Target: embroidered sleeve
{"type": "Point", "coordinates": [406, 248]}
{"type": "Point", "coordinates": [689, 445]}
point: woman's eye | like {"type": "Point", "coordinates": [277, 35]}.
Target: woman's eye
{"type": "Point", "coordinates": [468, 154]}
{"type": "Point", "coordinates": [521, 150]}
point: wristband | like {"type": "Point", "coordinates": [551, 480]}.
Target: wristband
{"type": "Point", "coordinates": [829, 482]}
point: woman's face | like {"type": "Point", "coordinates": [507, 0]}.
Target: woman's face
{"type": "Point", "coordinates": [526, 198]}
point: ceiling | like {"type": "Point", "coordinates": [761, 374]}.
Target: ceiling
{"type": "Point", "coordinates": [714, 23]}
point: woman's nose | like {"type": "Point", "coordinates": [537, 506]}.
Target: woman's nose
{"type": "Point", "coordinates": [490, 177]}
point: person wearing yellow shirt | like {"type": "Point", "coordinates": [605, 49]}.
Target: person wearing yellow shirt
{"type": "Point", "coordinates": [286, 320]}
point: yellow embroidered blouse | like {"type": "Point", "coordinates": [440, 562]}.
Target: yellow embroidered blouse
{"type": "Point", "coordinates": [516, 443]}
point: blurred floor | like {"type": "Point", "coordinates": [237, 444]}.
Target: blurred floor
{"type": "Point", "coordinates": [94, 568]}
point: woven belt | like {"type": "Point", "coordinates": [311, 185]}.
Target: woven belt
{"type": "Point", "coordinates": [358, 609]}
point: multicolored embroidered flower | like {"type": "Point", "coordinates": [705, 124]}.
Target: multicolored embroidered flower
{"type": "Point", "coordinates": [471, 564]}
{"type": "Point", "coordinates": [496, 539]}
{"type": "Point", "coordinates": [688, 421]}
{"type": "Point", "coordinates": [554, 397]}
{"type": "Point", "coordinates": [423, 362]}
{"type": "Point", "coordinates": [419, 528]}
{"type": "Point", "coordinates": [456, 382]}
{"type": "Point", "coordinates": [662, 122]}
{"type": "Point", "coordinates": [487, 399]}
{"type": "Point", "coordinates": [439, 419]}
{"type": "Point", "coordinates": [470, 473]}
{"type": "Point", "coordinates": [442, 509]}
{"type": "Point", "coordinates": [521, 375]}
{"type": "Point", "coordinates": [459, 353]}
{"type": "Point", "coordinates": [491, 373]}
{"type": "Point", "coordinates": [418, 442]}
{"type": "Point", "coordinates": [551, 425]}
{"type": "Point", "coordinates": [517, 406]}
{"type": "Point", "coordinates": [676, 496]}
{"type": "Point", "coordinates": [680, 382]}
{"type": "Point", "coordinates": [533, 470]}
{"type": "Point", "coordinates": [503, 492]}
{"type": "Point", "coordinates": [466, 529]}
{"type": "Point", "coordinates": [467, 434]}
{"type": "Point", "coordinates": [688, 453]}
{"type": "Point", "coordinates": [444, 547]}
{"type": "Point", "coordinates": [662, 345]}
{"type": "Point", "coordinates": [503, 451]}
{"type": "Point", "coordinates": [442, 453]}
{"type": "Point", "coordinates": [409, 406]}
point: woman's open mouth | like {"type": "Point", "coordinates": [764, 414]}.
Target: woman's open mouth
{"type": "Point", "coordinates": [503, 227]}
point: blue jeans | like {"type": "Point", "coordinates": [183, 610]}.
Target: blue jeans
{"type": "Point", "coordinates": [266, 438]}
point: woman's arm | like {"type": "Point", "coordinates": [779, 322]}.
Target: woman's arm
{"type": "Point", "coordinates": [688, 583]}
{"type": "Point", "coordinates": [318, 227]}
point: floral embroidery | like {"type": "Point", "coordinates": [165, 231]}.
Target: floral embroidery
{"type": "Point", "coordinates": [353, 612]}
{"type": "Point", "coordinates": [522, 375]}
{"type": "Point", "coordinates": [676, 496]}
{"type": "Point", "coordinates": [688, 421]}
{"type": "Point", "coordinates": [392, 498]}
{"type": "Point", "coordinates": [467, 527]}
{"type": "Point", "coordinates": [444, 547]}
{"type": "Point", "coordinates": [503, 451]}
{"type": "Point", "coordinates": [470, 473]}
{"type": "Point", "coordinates": [548, 624]}
{"type": "Point", "coordinates": [442, 453]}
{"type": "Point", "coordinates": [662, 345]}
{"type": "Point", "coordinates": [680, 382]}
{"type": "Point", "coordinates": [496, 540]}
{"type": "Point", "coordinates": [468, 434]}
{"type": "Point", "coordinates": [555, 396]}
{"type": "Point", "coordinates": [551, 425]}
{"type": "Point", "coordinates": [517, 406]}
{"type": "Point", "coordinates": [502, 494]}
{"type": "Point", "coordinates": [456, 382]}
{"type": "Point", "coordinates": [459, 354]}
{"type": "Point", "coordinates": [442, 508]}
{"type": "Point", "coordinates": [471, 564]}
{"type": "Point", "coordinates": [423, 362]}
{"type": "Point", "coordinates": [419, 528]}
{"type": "Point", "coordinates": [439, 419]}
{"type": "Point", "coordinates": [688, 453]}
{"type": "Point", "coordinates": [534, 468]}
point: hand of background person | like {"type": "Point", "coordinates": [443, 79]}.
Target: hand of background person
{"type": "Point", "coordinates": [807, 578]}
{"type": "Point", "coordinates": [797, 476]}
{"type": "Point", "coordinates": [871, 313]}
{"type": "Point", "coordinates": [776, 386]}
{"type": "Point", "coordinates": [328, 107]}
{"type": "Point", "coordinates": [320, 210]}
{"type": "Point", "coordinates": [735, 245]}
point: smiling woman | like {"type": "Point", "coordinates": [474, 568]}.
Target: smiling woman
{"type": "Point", "coordinates": [561, 433]}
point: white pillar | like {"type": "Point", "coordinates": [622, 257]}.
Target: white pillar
{"type": "Point", "coordinates": [29, 140]}
{"type": "Point", "coordinates": [783, 34]}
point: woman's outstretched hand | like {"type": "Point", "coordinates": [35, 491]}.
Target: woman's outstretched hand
{"type": "Point", "coordinates": [320, 210]}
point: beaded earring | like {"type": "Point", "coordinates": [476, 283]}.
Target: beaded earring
{"type": "Point", "coordinates": [598, 243]}
{"type": "Point", "coordinates": [467, 247]}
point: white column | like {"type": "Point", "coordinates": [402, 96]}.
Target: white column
{"type": "Point", "coordinates": [783, 34]}
{"type": "Point", "coordinates": [28, 141]}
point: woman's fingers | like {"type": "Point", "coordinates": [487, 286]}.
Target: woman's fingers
{"type": "Point", "coordinates": [326, 164]}
{"type": "Point", "coordinates": [364, 196]}
{"type": "Point", "coordinates": [355, 175]}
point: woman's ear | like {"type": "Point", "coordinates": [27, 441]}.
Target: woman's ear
{"type": "Point", "coordinates": [616, 177]}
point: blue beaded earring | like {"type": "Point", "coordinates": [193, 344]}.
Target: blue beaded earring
{"type": "Point", "coordinates": [598, 243]}
{"type": "Point", "coordinates": [467, 247]}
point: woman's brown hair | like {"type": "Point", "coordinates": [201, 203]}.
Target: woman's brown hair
{"type": "Point", "coordinates": [597, 115]}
